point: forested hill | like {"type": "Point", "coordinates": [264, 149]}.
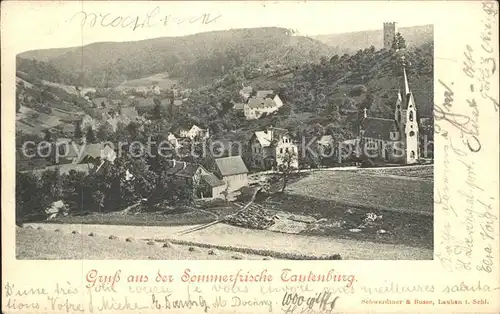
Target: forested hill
{"type": "Point", "coordinates": [197, 59]}
{"type": "Point", "coordinates": [415, 36]}
{"type": "Point", "coordinates": [369, 78]}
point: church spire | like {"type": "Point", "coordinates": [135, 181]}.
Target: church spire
{"type": "Point", "coordinates": [405, 78]}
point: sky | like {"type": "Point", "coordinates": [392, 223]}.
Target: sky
{"type": "Point", "coordinates": [40, 24]}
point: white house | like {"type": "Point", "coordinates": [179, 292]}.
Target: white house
{"type": "Point", "coordinates": [156, 90]}
{"type": "Point", "coordinates": [194, 132]}
{"type": "Point", "coordinates": [273, 147]}
{"type": "Point", "coordinates": [172, 139]}
{"type": "Point", "coordinates": [246, 92]}
{"type": "Point", "coordinates": [86, 122]}
{"type": "Point", "coordinates": [233, 171]}
{"type": "Point", "coordinates": [264, 102]}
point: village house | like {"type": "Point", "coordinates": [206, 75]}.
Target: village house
{"type": "Point", "coordinates": [205, 183]}
{"type": "Point", "coordinates": [99, 151]}
{"type": "Point", "coordinates": [194, 132]}
{"type": "Point", "coordinates": [101, 102]}
{"type": "Point", "coordinates": [233, 171]}
{"type": "Point", "coordinates": [69, 130]}
{"type": "Point", "coordinates": [172, 139]}
{"type": "Point", "coordinates": [265, 102]}
{"type": "Point", "coordinates": [156, 90]}
{"type": "Point", "coordinates": [245, 93]}
{"type": "Point", "coordinates": [87, 121]}
{"type": "Point", "coordinates": [126, 115]}
{"type": "Point", "coordinates": [393, 140]}
{"type": "Point", "coordinates": [175, 91]}
{"type": "Point", "coordinates": [272, 148]}
{"type": "Point", "coordinates": [325, 145]}
{"type": "Point", "coordinates": [71, 152]}
{"type": "Point", "coordinates": [63, 169]}
{"type": "Point", "coordinates": [239, 106]}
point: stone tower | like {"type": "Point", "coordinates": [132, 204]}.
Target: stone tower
{"type": "Point", "coordinates": [389, 33]}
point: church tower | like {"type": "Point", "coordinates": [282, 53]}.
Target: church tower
{"type": "Point", "coordinates": [411, 130]}
{"type": "Point", "coordinates": [389, 33]}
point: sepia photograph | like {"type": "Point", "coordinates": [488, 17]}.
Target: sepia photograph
{"type": "Point", "coordinates": [254, 143]}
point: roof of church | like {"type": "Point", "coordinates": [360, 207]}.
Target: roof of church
{"type": "Point", "coordinates": [377, 128]}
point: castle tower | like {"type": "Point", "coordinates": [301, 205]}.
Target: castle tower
{"type": "Point", "coordinates": [389, 33]}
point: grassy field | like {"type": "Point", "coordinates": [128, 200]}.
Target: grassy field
{"type": "Point", "coordinates": [162, 80]}
{"type": "Point", "coordinates": [336, 219]}
{"type": "Point", "coordinates": [178, 218]}
{"type": "Point", "coordinates": [47, 245]}
{"type": "Point", "coordinates": [358, 188]}
{"type": "Point", "coordinates": [341, 201]}
{"type": "Point", "coordinates": [420, 172]}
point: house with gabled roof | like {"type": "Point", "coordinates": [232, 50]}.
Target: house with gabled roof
{"type": "Point", "coordinates": [233, 171]}
{"type": "Point", "coordinates": [205, 183]}
{"type": "Point", "coordinates": [265, 102]}
{"type": "Point", "coordinates": [87, 153]}
{"type": "Point", "coordinates": [63, 169]}
{"type": "Point", "coordinates": [246, 92]}
{"type": "Point", "coordinates": [69, 130]}
{"type": "Point", "coordinates": [270, 148]}
{"type": "Point", "coordinates": [191, 133]}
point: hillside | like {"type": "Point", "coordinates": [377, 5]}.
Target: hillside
{"type": "Point", "coordinates": [46, 54]}
{"type": "Point", "coordinates": [42, 105]}
{"type": "Point", "coordinates": [415, 36]}
{"type": "Point", "coordinates": [195, 59]}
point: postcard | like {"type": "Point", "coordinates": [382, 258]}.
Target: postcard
{"type": "Point", "coordinates": [250, 157]}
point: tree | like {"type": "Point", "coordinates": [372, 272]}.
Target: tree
{"type": "Point", "coordinates": [157, 112]}
{"type": "Point", "coordinates": [286, 168]}
{"type": "Point", "coordinates": [399, 42]}
{"type": "Point", "coordinates": [90, 136]}
{"type": "Point", "coordinates": [78, 131]}
{"type": "Point", "coordinates": [29, 200]}
{"type": "Point", "coordinates": [104, 132]}
{"type": "Point", "coordinates": [225, 193]}
{"type": "Point", "coordinates": [74, 190]}
{"type": "Point", "coordinates": [285, 110]}
{"type": "Point", "coordinates": [51, 185]}
{"type": "Point", "coordinates": [47, 136]}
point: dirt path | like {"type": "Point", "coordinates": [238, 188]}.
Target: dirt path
{"type": "Point", "coordinates": [225, 235]}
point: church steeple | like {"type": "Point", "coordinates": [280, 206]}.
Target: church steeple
{"type": "Point", "coordinates": [411, 127]}
{"type": "Point", "coordinates": [405, 81]}
{"type": "Point", "coordinates": [397, 111]}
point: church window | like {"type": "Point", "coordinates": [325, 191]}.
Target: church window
{"type": "Point", "coordinates": [412, 154]}
{"type": "Point", "coordinates": [281, 150]}
{"type": "Point", "coordinates": [412, 133]}
{"type": "Point", "coordinates": [411, 116]}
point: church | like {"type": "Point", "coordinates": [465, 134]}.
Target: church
{"type": "Point", "coordinates": [393, 140]}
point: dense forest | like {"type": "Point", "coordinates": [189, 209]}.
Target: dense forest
{"type": "Point", "coordinates": [334, 89]}
{"type": "Point", "coordinates": [195, 59]}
